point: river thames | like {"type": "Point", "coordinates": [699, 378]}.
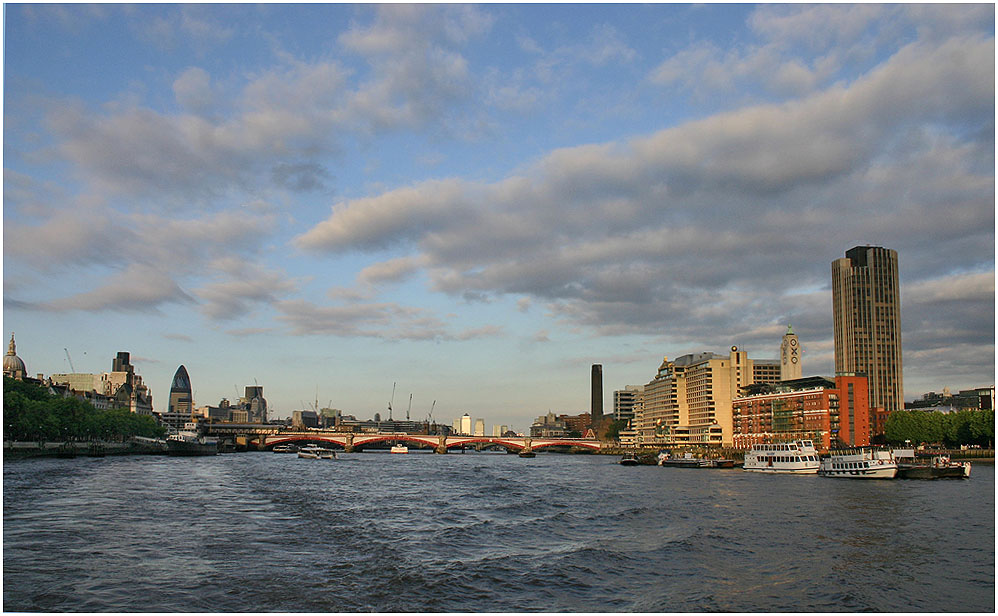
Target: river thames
{"type": "Point", "coordinates": [484, 532]}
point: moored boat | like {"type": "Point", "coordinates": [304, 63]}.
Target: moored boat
{"type": "Point", "coordinates": [936, 467]}
{"type": "Point", "coordinates": [796, 458]}
{"type": "Point", "coordinates": [717, 463]}
{"type": "Point", "coordinates": [860, 464]}
{"type": "Point", "coordinates": [286, 448]}
{"type": "Point", "coordinates": [399, 449]}
{"type": "Point", "coordinates": [190, 443]}
{"type": "Point", "coordinates": [629, 459]}
{"type": "Point", "coordinates": [687, 460]}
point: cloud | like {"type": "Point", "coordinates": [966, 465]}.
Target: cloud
{"type": "Point", "coordinates": [379, 320]}
{"type": "Point", "coordinates": [243, 286]}
{"type": "Point", "coordinates": [395, 270]}
{"type": "Point", "coordinates": [138, 288]}
{"type": "Point", "coordinates": [713, 225]}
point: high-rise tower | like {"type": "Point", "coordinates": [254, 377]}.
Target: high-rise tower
{"type": "Point", "coordinates": [790, 360]}
{"type": "Point", "coordinates": [596, 405]}
{"type": "Point", "coordinates": [181, 399]}
{"type": "Point", "coordinates": [866, 308]}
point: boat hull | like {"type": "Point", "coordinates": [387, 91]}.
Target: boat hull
{"type": "Point", "coordinates": [178, 448]}
{"type": "Point", "coordinates": [920, 471]}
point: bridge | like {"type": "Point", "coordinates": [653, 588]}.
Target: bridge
{"type": "Point", "coordinates": [263, 437]}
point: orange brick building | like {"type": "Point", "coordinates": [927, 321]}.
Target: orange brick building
{"type": "Point", "coordinates": [831, 413]}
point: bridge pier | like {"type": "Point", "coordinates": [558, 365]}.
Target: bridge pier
{"type": "Point", "coordinates": [441, 444]}
{"type": "Point", "coordinates": [348, 446]}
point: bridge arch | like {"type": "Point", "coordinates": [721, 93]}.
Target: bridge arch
{"type": "Point", "coordinates": [485, 440]}
{"type": "Point", "coordinates": [359, 442]}
{"type": "Point", "coordinates": [593, 446]}
{"type": "Point", "coordinates": [303, 438]}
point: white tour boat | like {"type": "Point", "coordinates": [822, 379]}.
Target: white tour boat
{"type": "Point", "coordinates": [797, 458]}
{"type": "Point", "coordinates": [860, 464]}
{"type": "Point", "coordinates": [400, 449]}
{"type": "Point", "coordinates": [313, 452]}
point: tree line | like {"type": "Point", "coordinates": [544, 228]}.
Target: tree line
{"type": "Point", "coordinates": [32, 413]}
{"type": "Point", "coordinates": [950, 429]}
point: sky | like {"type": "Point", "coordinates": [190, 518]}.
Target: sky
{"type": "Point", "coordinates": [472, 204]}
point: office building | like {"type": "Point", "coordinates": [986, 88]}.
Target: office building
{"type": "Point", "coordinates": [832, 413]}
{"type": "Point", "coordinates": [181, 398]}
{"type": "Point", "coordinates": [465, 425]}
{"type": "Point", "coordinates": [689, 400]}
{"type": "Point", "coordinates": [122, 385]}
{"type": "Point", "coordinates": [624, 401]}
{"type": "Point", "coordinates": [479, 427]}
{"type": "Point", "coordinates": [866, 312]}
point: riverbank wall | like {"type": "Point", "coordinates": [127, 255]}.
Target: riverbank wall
{"type": "Point", "coordinates": [19, 450]}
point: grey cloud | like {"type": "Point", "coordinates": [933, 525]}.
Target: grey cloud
{"type": "Point", "coordinates": [382, 320]}
{"type": "Point", "coordinates": [137, 289]}
{"type": "Point", "coordinates": [707, 231]}
{"type": "Point", "coordinates": [243, 286]}
{"type": "Point", "coordinates": [395, 270]}
{"type": "Point", "coordinates": [300, 177]}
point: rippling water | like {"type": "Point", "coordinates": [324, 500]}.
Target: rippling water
{"type": "Point", "coordinates": [484, 532]}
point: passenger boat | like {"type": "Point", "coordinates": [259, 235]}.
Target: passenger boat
{"type": "Point", "coordinates": [937, 467]}
{"type": "Point", "coordinates": [189, 442]}
{"type": "Point", "coordinates": [796, 458]}
{"type": "Point", "coordinates": [313, 452]}
{"type": "Point", "coordinates": [400, 449]}
{"type": "Point", "coordinates": [285, 449]}
{"type": "Point", "coordinates": [860, 464]}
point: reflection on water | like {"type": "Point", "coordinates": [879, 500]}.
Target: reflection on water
{"type": "Point", "coordinates": [484, 532]}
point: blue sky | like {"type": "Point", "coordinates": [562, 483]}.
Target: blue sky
{"type": "Point", "coordinates": [480, 201]}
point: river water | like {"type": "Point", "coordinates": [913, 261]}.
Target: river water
{"type": "Point", "coordinates": [484, 532]}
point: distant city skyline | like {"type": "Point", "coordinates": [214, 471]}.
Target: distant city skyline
{"type": "Point", "coordinates": [481, 202]}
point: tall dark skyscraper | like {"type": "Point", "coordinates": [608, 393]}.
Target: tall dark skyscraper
{"type": "Point", "coordinates": [866, 308]}
{"type": "Point", "coordinates": [596, 406]}
{"type": "Point", "coordinates": [181, 398]}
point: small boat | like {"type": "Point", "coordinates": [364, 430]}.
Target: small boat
{"type": "Point", "coordinates": [861, 464]}
{"type": "Point", "coordinates": [796, 458]}
{"type": "Point", "coordinates": [400, 449]}
{"type": "Point", "coordinates": [313, 452]}
{"type": "Point", "coordinates": [937, 467]}
{"type": "Point", "coordinates": [629, 459]}
{"type": "Point", "coordinates": [527, 454]}
{"type": "Point", "coordinates": [286, 448]}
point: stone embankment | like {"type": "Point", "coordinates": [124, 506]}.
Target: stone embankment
{"type": "Point", "coordinates": [17, 450]}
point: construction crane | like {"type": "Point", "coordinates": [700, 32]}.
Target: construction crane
{"type": "Point", "coordinates": [70, 360]}
{"type": "Point", "coordinates": [408, 409]}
